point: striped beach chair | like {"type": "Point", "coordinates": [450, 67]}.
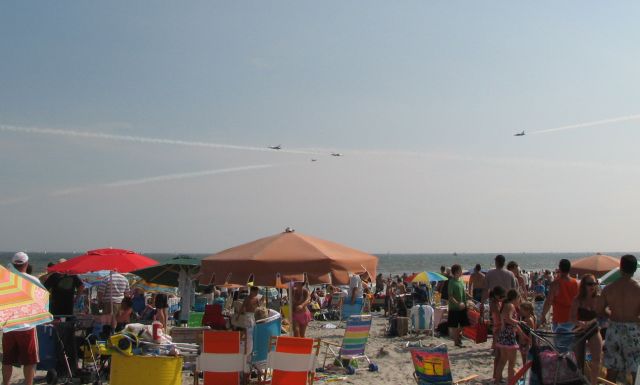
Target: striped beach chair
{"type": "Point", "coordinates": [353, 344]}
{"type": "Point", "coordinates": [223, 360]}
{"type": "Point", "coordinates": [291, 361]}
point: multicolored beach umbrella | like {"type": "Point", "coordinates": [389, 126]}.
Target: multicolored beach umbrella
{"type": "Point", "coordinates": [429, 276]}
{"type": "Point", "coordinates": [23, 301]}
{"type": "Point", "coordinates": [154, 287]}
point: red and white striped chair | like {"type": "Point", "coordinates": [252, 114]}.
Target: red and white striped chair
{"type": "Point", "coordinates": [223, 359]}
{"type": "Point", "coordinates": [292, 360]}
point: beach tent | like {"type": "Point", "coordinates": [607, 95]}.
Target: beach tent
{"type": "Point", "coordinates": [597, 265]}
{"type": "Point", "coordinates": [287, 257]}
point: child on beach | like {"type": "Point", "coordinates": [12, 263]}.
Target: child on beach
{"type": "Point", "coordinates": [495, 302]}
{"type": "Point", "coordinates": [506, 341]}
{"type": "Point", "coordinates": [527, 316]}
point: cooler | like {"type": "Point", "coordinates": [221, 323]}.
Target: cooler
{"type": "Point", "coordinates": [145, 370]}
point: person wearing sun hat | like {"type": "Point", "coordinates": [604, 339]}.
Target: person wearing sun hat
{"type": "Point", "coordinates": [20, 346]}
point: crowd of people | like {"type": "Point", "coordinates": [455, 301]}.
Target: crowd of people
{"type": "Point", "coordinates": [518, 302]}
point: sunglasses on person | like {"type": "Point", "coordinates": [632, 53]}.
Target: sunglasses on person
{"type": "Point", "coordinates": [590, 283]}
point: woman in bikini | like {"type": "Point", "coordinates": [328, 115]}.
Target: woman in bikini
{"type": "Point", "coordinates": [583, 313]}
{"type": "Point", "coordinates": [301, 314]}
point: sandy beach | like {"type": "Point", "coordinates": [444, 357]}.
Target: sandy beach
{"type": "Point", "coordinates": [390, 354]}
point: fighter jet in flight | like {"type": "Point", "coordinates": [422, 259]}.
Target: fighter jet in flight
{"type": "Point", "coordinates": [278, 147]}
{"type": "Point", "coordinates": [336, 154]}
{"type": "Point", "coordinates": [519, 134]}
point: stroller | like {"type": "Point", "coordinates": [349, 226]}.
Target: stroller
{"type": "Point", "coordinates": [548, 364]}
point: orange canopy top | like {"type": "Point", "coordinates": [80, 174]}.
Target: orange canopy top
{"type": "Point", "coordinates": [287, 257]}
{"type": "Point", "coordinates": [597, 265]}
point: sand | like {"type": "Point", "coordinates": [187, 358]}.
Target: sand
{"type": "Point", "coordinates": [390, 354]}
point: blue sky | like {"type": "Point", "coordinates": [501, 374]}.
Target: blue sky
{"type": "Point", "coordinates": [422, 98]}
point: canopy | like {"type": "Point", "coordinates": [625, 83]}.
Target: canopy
{"type": "Point", "coordinates": [597, 265]}
{"type": "Point", "coordinates": [122, 261]}
{"type": "Point", "coordinates": [288, 255]}
{"type": "Point", "coordinates": [23, 301]}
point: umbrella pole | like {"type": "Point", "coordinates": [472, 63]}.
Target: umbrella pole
{"type": "Point", "coordinates": [291, 308]}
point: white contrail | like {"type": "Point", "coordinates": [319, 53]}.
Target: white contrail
{"type": "Point", "coordinates": [141, 139]}
{"type": "Point", "coordinates": [196, 174]}
{"type": "Point", "coordinates": [159, 178]}
{"type": "Point", "coordinates": [588, 124]}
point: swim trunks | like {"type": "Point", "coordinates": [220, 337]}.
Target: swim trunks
{"type": "Point", "coordinates": [622, 346]}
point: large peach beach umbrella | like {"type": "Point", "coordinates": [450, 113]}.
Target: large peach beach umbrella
{"type": "Point", "coordinates": [287, 257]}
{"type": "Point", "coordinates": [597, 265]}
{"type": "Point", "coordinates": [23, 301]}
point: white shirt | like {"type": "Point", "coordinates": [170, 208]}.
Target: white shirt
{"type": "Point", "coordinates": [355, 282]}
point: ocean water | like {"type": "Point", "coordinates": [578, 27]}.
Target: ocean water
{"type": "Point", "coordinates": [388, 263]}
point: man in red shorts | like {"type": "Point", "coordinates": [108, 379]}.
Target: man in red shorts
{"type": "Point", "coordinates": [20, 346]}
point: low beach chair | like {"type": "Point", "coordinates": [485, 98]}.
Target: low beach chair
{"type": "Point", "coordinates": [432, 366]}
{"type": "Point", "coordinates": [422, 319]}
{"type": "Point", "coordinates": [353, 344]}
{"type": "Point", "coordinates": [291, 361]}
{"type": "Point", "coordinates": [223, 360]}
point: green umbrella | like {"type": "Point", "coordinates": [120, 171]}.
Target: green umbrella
{"type": "Point", "coordinates": [168, 273]}
{"type": "Point", "coordinates": [178, 272]}
{"type": "Point", "coordinates": [611, 276]}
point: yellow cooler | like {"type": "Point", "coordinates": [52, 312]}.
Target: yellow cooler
{"type": "Point", "coordinates": [145, 370]}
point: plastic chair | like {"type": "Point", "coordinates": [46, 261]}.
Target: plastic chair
{"type": "Point", "coordinates": [223, 360]}
{"type": "Point", "coordinates": [292, 360]}
{"type": "Point", "coordinates": [214, 318]}
{"type": "Point", "coordinates": [432, 366]}
{"type": "Point", "coordinates": [353, 344]}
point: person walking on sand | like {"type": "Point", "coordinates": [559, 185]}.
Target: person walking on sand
{"type": "Point", "coordinates": [20, 346]}
{"type": "Point", "coordinates": [622, 298]}
{"type": "Point", "coordinates": [562, 292]}
{"type": "Point", "coordinates": [457, 300]}
{"type": "Point", "coordinates": [506, 340]}
{"type": "Point", "coordinates": [477, 283]}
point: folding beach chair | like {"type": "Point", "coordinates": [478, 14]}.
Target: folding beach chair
{"type": "Point", "coordinates": [353, 344]}
{"type": "Point", "coordinates": [432, 366]}
{"type": "Point", "coordinates": [422, 319]}
{"type": "Point", "coordinates": [347, 309]}
{"type": "Point", "coordinates": [291, 361]}
{"type": "Point", "coordinates": [223, 359]}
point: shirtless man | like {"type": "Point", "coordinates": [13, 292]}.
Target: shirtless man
{"type": "Point", "coordinates": [477, 283]}
{"type": "Point", "coordinates": [622, 298]}
{"type": "Point", "coordinates": [251, 302]}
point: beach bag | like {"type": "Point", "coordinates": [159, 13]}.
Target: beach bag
{"type": "Point", "coordinates": [552, 365]}
{"type": "Point", "coordinates": [392, 329]}
{"type": "Point", "coordinates": [403, 326]}
{"type": "Point", "coordinates": [479, 328]}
